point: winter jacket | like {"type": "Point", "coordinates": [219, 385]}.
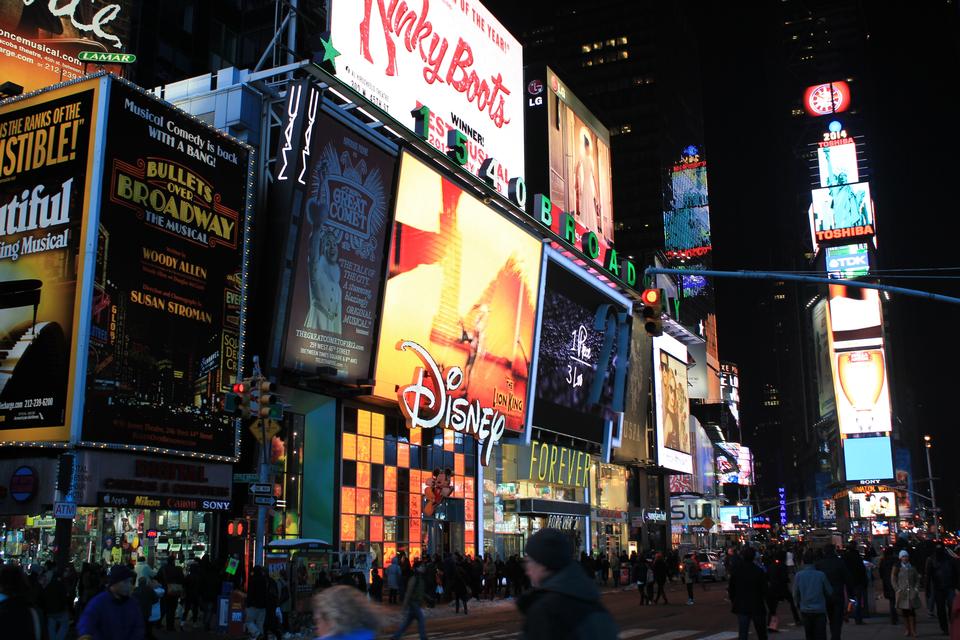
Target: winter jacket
{"type": "Point", "coordinates": [811, 590]}
{"type": "Point", "coordinates": [19, 620]}
{"type": "Point", "coordinates": [108, 618]}
{"type": "Point", "coordinates": [257, 592]}
{"type": "Point", "coordinates": [393, 574]}
{"type": "Point", "coordinates": [566, 606]}
{"type": "Point", "coordinates": [748, 590]}
{"type": "Point", "coordinates": [837, 574]}
{"type": "Point", "coordinates": [415, 589]}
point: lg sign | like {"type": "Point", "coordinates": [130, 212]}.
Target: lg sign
{"type": "Point", "coordinates": [825, 99]}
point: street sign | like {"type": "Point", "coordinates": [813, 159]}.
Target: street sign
{"type": "Point", "coordinates": [245, 477]}
{"type": "Point", "coordinates": [261, 489]}
{"type": "Point", "coordinates": [707, 523]}
{"type": "Point", "coordinates": [264, 501]}
{"type": "Point", "coordinates": [272, 427]}
{"type": "Point", "coordinates": [65, 510]}
{"type": "Point", "coordinates": [110, 58]}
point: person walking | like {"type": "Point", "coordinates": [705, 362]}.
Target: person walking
{"type": "Point", "coordinates": [343, 613]}
{"type": "Point", "coordinates": [885, 568]}
{"type": "Point", "coordinates": [113, 614]}
{"type": "Point", "coordinates": [691, 571]}
{"type": "Point", "coordinates": [906, 584]}
{"type": "Point", "coordinates": [858, 580]}
{"type": "Point", "coordinates": [490, 576]}
{"type": "Point", "coordinates": [836, 571]}
{"type": "Point", "coordinates": [393, 580]}
{"type": "Point", "coordinates": [564, 602]}
{"type": "Point", "coordinates": [811, 589]}
{"type": "Point", "coordinates": [171, 577]}
{"type": "Point", "coordinates": [660, 577]}
{"type": "Point", "coordinates": [748, 594]}
{"type": "Point", "coordinates": [55, 602]}
{"type": "Point", "coordinates": [146, 597]}
{"type": "Point", "coordinates": [413, 604]}
{"type": "Point", "coordinates": [256, 602]}
{"type": "Point", "coordinates": [615, 569]}
{"type": "Point", "coordinates": [18, 618]}
{"type": "Point", "coordinates": [778, 579]}
{"type": "Point", "coordinates": [641, 575]}
{"type": "Point", "coordinates": [460, 585]}
{"type": "Point", "coordinates": [943, 581]}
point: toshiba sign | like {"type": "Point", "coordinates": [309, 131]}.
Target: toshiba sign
{"type": "Point", "coordinates": [453, 57]}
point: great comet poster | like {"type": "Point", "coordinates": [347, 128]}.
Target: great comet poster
{"type": "Point", "coordinates": [167, 293]}
{"type": "Point", "coordinates": [45, 146]}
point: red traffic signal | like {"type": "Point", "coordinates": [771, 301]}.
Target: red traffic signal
{"type": "Point", "coordinates": [236, 528]}
{"type": "Point", "coordinates": [652, 310]}
{"type": "Point", "coordinates": [240, 388]}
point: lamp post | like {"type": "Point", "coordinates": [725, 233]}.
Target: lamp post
{"type": "Point", "coordinates": [933, 496]}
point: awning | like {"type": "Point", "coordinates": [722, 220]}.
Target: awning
{"type": "Point", "coordinates": [536, 507]}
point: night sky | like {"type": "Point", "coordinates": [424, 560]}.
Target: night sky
{"type": "Point", "coordinates": [907, 75]}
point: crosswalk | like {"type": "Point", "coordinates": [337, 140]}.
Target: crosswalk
{"type": "Point", "coordinates": [625, 634]}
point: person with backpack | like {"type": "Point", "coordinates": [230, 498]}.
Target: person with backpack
{"type": "Point", "coordinates": [564, 603]}
{"type": "Point", "coordinates": [413, 603]}
{"type": "Point", "coordinates": [943, 582]}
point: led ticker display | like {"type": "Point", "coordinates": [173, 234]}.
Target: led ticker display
{"type": "Point", "coordinates": [673, 412]}
{"type": "Point", "coordinates": [828, 98]}
{"type": "Point", "coordinates": [867, 458]}
{"type": "Point", "coordinates": [848, 261]}
{"type": "Point", "coordinates": [873, 504]}
{"type": "Point", "coordinates": [463, 283]}
{"type": "Point", "coordinates": [837, 163]}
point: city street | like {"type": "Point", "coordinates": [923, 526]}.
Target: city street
{"type": "Point", "coordinates": [708, 619]}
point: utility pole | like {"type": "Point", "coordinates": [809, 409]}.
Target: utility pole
{"type": "Point", "coordinates": [933, 496]}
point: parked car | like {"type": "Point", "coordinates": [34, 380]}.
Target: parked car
{"type": "Point", "coordinates": [711, 567]}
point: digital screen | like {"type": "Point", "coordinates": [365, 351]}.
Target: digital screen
{"type": "Point", "coordinates": [673, 410]}
{"type": "Point", "coordinates": [879, 528]}
{"type": "Point", "coordinates": [686, 224]}
{"type": "Point", "coordinates": [344, 226]}
{"type": "Point", "coordinates": [734, 517]}
{"type": "Point", "coordinates": [568, 358]}
{"type": "Point", "coordinates": [580, 175]}
{"type": "Point", "coordinates": [873, 504]}
{"type": "Point", "coordinates": [730, 387]}
{"type": "Point", "coordinates": [460, 63]}
{"type": "Point", "coordinates": [825, 99]}
{"type": "Point", "coordinates": [693, 286]}
{"type": "Point", "coordinates": [826, 401]}
{"type": "Point", "coordinates": [43, 199]}
{"type": "Point", "coordinates": [842, 211]}
{"type": "Point", "coordinates": [170, 266]}
{"type": "Point", "coordinates": [837, 164]}
{"type": "Point", "coordinates": [687, 228]}
{"type": "Point", "coordinates": [867, 458]}
{"type": "Point", "coordinates": [40, 40]}
{"type": "Point", "coordinates": [847, 261]}
{"type": "Point", "coordinates": [860, 381]}
{"type": "Point", "coordinates": [742, 473]}
{"type": "Point", "coordinates": [462, 281]}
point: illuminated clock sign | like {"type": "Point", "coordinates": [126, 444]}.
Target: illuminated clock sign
{"type": "Point", "coordinates": [826, 99]}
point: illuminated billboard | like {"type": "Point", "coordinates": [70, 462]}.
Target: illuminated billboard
{"type": "Point", "coordinates": [338, 276]}
{"type": "Point", "coordinates": [456, 59]}
{"type": "Point", "coordinates": [40, 40]}
{"type": "Point", "coordinates": [570, 352]}
{"type": "Point", "coordinates": [848, 261]}
{"type": "Point", "coordinates": [841, 211]}
{"type": "Point", "coordinates": [742, 473]}
{"type": "Point", "coordinates": [826, 401]}
{"type": "Point", "coordinates": [462, 282]}
{"type": "Point", "coordinates": [735, 517]}
{"type": "Point", "coordinates": [858, 363]}
{"type": "Point", "coordinates": [837, 163]}
{"type": "Point", "coordinates": [867, 458]}
{"type": "Point", "coordinates": [828, 98]}
{"type": "Point", "coordinates": [44, 194]}
{"type": "Point", "coordinates": [674, 450]}
{"type": "Point", "coordinates": [730, 387]}
{"type": "Point", "coordinates": [165, 342]}
{"type": "Point", "coordinates": [873, 504]}
{"type": "Point", "coordinates": [686, 223]}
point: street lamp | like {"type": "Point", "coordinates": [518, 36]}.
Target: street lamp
{"type": "Point", "coordinates": [933, 496]}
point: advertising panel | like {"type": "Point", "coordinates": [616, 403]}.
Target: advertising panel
{"type": "Point", "coordinates": [904, 480]}
{"type": "Point", "coordinates": [633, 442]}
{"type": "Point", "coordinates": [730, 387]}
{"type": "Point", "coordinates": [842, 211]}
{"type": "Point", "coordinates": [873, 504]}
{"type": "Point", "coordinates": [463, 283]}
{"type": "Point", "coordinates": [857, 360]}
{"type": "Point", "coordinates": [40, 40]}
{"type": "Point", "coordinates": [570, 351]}
{"type": "Point", "coordinates": [847, 261]}
{"type": "Point", "coordinates": [454, 58]}
{"type": "Point", "coordinates": [686, 224]}
{"type": "Point", "coordinates": [344, 226]}
{"type": "Point", "coordinates": [673, 407]}
{"type": "Point", "coordinates": [826, 400]}
{"type": "Point", "coordinates": [168, 281]}
{"type": "Point", "coordinates": [828, 98]}
{"type": "Point", "coordinates": [735, 517]}
{"type": "Point", "coordinates": [579, 161]}
{"type": "Point", "coordinates": [46, 160]}
{"type": "Point", "coordinates": [742, 473]}
{"type": "Point", "coordinates": [867, 458]}
{"type": "Point", "coordinates": [837, 163]}
{"type": "Point", "coordinates": [705, 464]}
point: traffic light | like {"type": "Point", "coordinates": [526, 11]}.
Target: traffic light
{"type": "Point", "coordinates": [237, 527]}
{"type": "Point", "coordinates": [652, 310]}
{"type": "Point", "coordinates": [237, 400]}
{"type": "Point", "coordinates": [262, 398]}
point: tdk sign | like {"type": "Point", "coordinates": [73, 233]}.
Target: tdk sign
{"type": "Point", "coordinates": [848, 262]}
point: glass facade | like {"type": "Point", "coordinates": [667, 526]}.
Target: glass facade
{"type": "Point", "coordinates": [611, 530]}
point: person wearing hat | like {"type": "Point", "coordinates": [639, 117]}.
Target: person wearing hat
{"type": "Point", "coordinates": [906, 584]}
{"type": "Point", "coordinates": [563, 601]}
{"type": "Point", "coordinates": [113, 614]}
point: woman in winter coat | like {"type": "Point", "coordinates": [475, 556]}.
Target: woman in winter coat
{"type": "Point", "coordinates": [906, 584]}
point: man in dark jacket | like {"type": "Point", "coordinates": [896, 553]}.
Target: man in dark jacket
{"type": "Point", "coordinates": [838, 576]}
{"type": "Point", "coordinates": [413, 603]}
{"type": "Point", "coordinates": [564, 604]}
{"type": "Point", "coordinates": [887, 563]}
{"type": "Point", "coordinates": [113, 614]}
{"type": "Point", "coordinates": [748, 595]}
{"type": "Point", "coordinates": [18, 619]}
{"type": "Point", "coordinates": [858, 579]}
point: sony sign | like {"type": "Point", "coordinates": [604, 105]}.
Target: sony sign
{"type": "Point", "coordinates": [431, 403]}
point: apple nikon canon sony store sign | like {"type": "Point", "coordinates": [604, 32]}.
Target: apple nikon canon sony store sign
{"type": "Point", "coordinates": [454, 58]}
{"type": "Point", "coordinates": [141, 289]}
